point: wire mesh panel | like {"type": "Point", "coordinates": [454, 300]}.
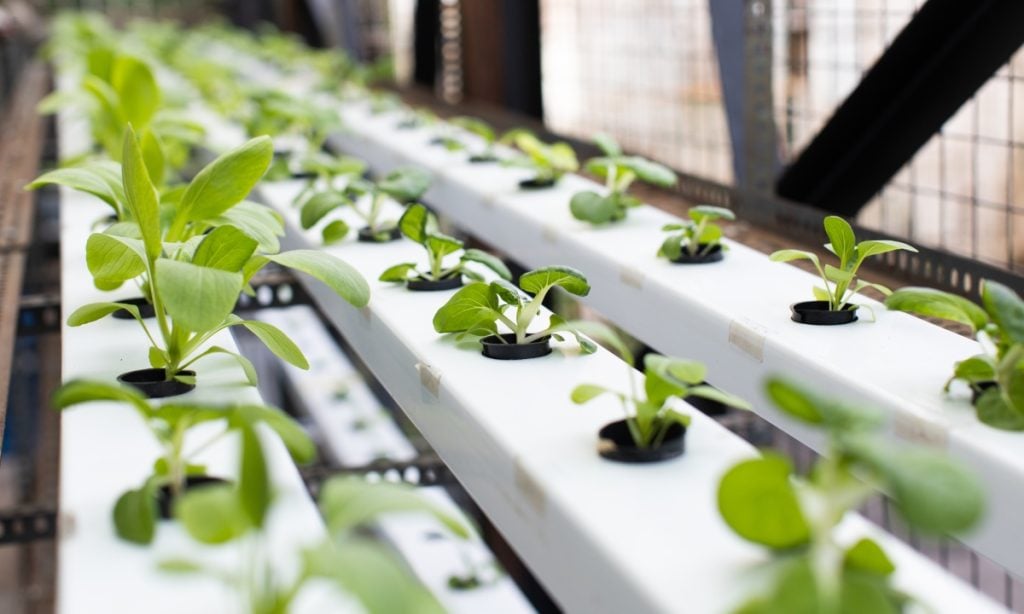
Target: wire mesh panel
{"type": "Point", "coordinates": [644, 72]}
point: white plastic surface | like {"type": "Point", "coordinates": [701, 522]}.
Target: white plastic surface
{"type": "Point", "coordinates": [601, 536]}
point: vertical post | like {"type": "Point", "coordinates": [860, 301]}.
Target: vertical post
{"type": "Point", "coordinates": [760, 154]}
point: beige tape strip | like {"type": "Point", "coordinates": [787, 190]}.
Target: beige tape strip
{"type": "Point", "coordinates": [549, 234]}
{"type": "Point", "coordinates": [632, 277]}
{"type": "Point", "coordinates": [918, 430]}
{"type": "Point", "coordinates": [429, 378]}
{"type": "Point", "coordinates": [529, 489]}
{"type": "Point", "coordinates": [747, 339]}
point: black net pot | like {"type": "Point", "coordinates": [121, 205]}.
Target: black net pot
{"type": "Point", "coordinates": [510, 350]}
{"type": "Point", "coordinates": [616, 443]}
{"type": "Point", "coordinates": [482, 159]}
{"type": "Point", "coordinates": [979, 388]}
{"type": "Point", "coordinates": [419, 284]}
{"type": "Point", "coordinates": [366, 235]}
{"type": "Point", "coordinates": [145, 309]}
{"type": "Point", "coordinates": [154, 383]}
{"type": "Point", "coordinates": [537, 184]}
{"type": "Point", "coordinates": [818, 313]}
{"type": "Point", "coordinates": [165, 500]}
{"type": "Point", "coordinates": [715, 254]}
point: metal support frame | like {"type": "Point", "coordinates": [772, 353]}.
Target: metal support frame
{"type": "Point", "coordinates": [424, 470]}
{"type": "Point", "coordinates": [27, 524]}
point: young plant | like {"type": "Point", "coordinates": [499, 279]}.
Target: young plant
{"type": "Point", "coordinates": [327, 173]}
{"type": "Point", "coordinates": [172, 425]}
{"type": "Point", "coordinates": [548, 162]}
{"type": "Point", "coordinates": [479, 308]}
{"type": "Point", "coordinates": [236, 516]}
{"type": "Point", "coordinates": [811, 570]}
{"type": "Point", "coordinates": [996, 376]}
{"type": "Point", "coordinates": [420, 226]}
{"type": "Point", "coordinates": [195, 271]}
{"type": "Point", "coordinates": [404, 185]}
{"type": "Point", "coordinates": [650, 415]}
{"type": "Point", "coordinates": [698, 236]}
{"type": "Point", "coordinates": [841, 284]}
{"type": "Point", "coordinates": [484, 132]}
{"type": "Point", "coordinates": [619, 171]}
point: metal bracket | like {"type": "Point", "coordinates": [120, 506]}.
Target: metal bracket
{"type": "Point", "coordinates": [425, 470]}
{"type": "Point", "coordinates": [23, 525]}
{"type": "Point", "coordinates": [274, 288]}
{"type": "Point", "coordinates": [39, 314]}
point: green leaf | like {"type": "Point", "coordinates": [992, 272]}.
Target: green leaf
{"type": "Point", "coordinates": [247, 367]}
{"type": "Point", "coordinates": [94, 311]}
{"type": "Point", "coordinates": [196, 297]}
{"type": "Point", "coordinates": [867, 249]}
{"type": "Point", "coordinates": [334, 232]}
{"type": "Point", "coordinates": [934, 494]}
{"type": "Point", "coordinates": [181, 566]}
{"type": "Point", "coordinates": [585, 393]}
{"type": "Point", "coordinates": [78, 391]}
{"type": "Point", "coordinates": [350, 502]}
{"type": "Point", "coordinates": [1005, 307]}
{"type": "Point", "coordinates": [649, 171]}
{"type": "Point", "coordinates": [993, 409]}
{"type": "Point", "coordinates": [153, 155]}
{"type": "Point", "coordinates": [867, 555]}
{"type": "Point", "coordinates": [295, 439]}
{"type": "Point", "coordinates": [405, 184]}
{"type": "Point", "coordinates": [257, 221]}
{"type": "Point", "coordinates": [975, 369]}
{"type": "Point", "coordinates": [607, 144]}
{"type": "Point", "coordinates": [226, 248]}
{"type": "Point", "coordinates": [933, 303]}
{"type": "Point", "coordinates": [709, 212]}
{"type": "Point", "coordinates": [838, 276]}
{"type": "Point", "coordinates": [491, 262]}
{"type": "Point", "coordinates": [253, 478]}
{"type": "Point", "coordinates": [114, 259]}
{"type": "Point", "coordinates": [667, 377]}
{"type": "Point", "coordinates": [472, 305]}
{"type": "Point", "coordinates": [567, 278]}
{"type": "Point", "coordinates": [319, 205]}
{"type": "Point", "coordinates": [212, 514]}
{"type": "Point", "coordinates": [757, 500]}
{"type": "Point", "coordinates": [507, 292]}
{"type": "Point", "coordinates": [140, 195]}
{"type": "Point", "coordinates": [592, 207]}
{"type": "Point", "coordinates": [787, 255]}
{"type": "Point", "coordinates": [135, 515]}
{"type": "Point", "coordinates": [714, 394]}
{"type": "Point", "coordinates": [809, 407]}
{"type": "Point", "coordinates": [605, 334]}
{"type": "Point", "coordinates": [476, 126]}
{"type": "Point", "coordinates": [841, 236]}
{"type": "Point", "coordinates": [102, 179]}
{"type": "Point", "coordinates": [441, 245]}
{"type": "Point", "coordinates": [414, 223]}
{"type": "Point", "coordinates": [337, 274]}
{"type": "Point", "coordinates": [136, 88]}
{"type": "Point", "coordinates": [398, 273]}
{"type": "Point", "coordinates": [226, 181]}
{"type": "Point", "coordinates": [278, 342]}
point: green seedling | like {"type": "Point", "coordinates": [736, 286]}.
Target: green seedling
{"type": "Point", "coordinates": [195, 271]}
{"type": "Point", "coordinates": [697, 236]}
{"type": "Point", "coordinates": [366, 199]}
{"type": "Point", "coordinates": [998, 324]}
{"type": "Point", "coordinates": [484, 132]}
{"type": "Point", "coordinates": [619, 171]}
{"type": "Point", "coordinates": [840, 284]}
{"type": "Point", "coordinates": [650, 414]}
{"type": "Point", "coordinates": [173, 426]}
{"type": "Point", "coordinates": [548, 162]}
{"type": "Point", "coordinates": [478, 308]}
{"type": "Point", "coordinates": [420, 226]}
{"type": "Point", "coordinates": [795, 518]}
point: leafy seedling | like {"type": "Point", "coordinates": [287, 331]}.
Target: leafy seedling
{"type": "Point", "coordinates": [811, 569]}
{"type": "Point", "coordinates": [195, 272]}
{"type": "Point", "coordinates": [484, 132]}
{"type": "Point", "coordinates": [548, 162]}
{"type": "Point", "coordinates": [619, 171]}
{"type": "Point", "coordinates": [420, 226]}
{"type": "Point", "coordinates": [840, 284]}
{"type": "Point", "coordinates": [478, 308]}
{"type": "Point", "coordinates": [135, 513]}
{"type": "Point", "coordinates": [996, 376]}
{"type": "Point", "coordinates": [698, 236]}
{"type": "Point", "coordinates": [650, 414]}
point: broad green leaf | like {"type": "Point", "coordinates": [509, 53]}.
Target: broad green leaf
{"type": "Point", "coordinates": [975, 369]}
{"type": "Point", "coordinates": [349, 502]}
{"type": "Point", "coordinates": [226, 181]}
{"type": "Point", "coordinates": [334, 232]}
{"type": "Point", "coordinates": [841, 236]}
{"type": "Point", "coordinates": [937, 304]}
{"type": "Point", "coordinates": [649, 171]}
{"type": "Point", "coordinates": [714, 394]}
{"type": "Point", "coordinates": [592, 207]}
{"type": "Point", "coordinates": [471, 305]}
{"type": "Point", "coordinates": [247, 367]}
{"type": "Point", "coordinates": [319, 205]}
{"type": "Point", "coordinates": [136, 88]}
{"type": "Point", "coordinates": [867, 249]}
{"type": "Point", "coordinates": [294, 437]}
{"type": "Point", "coordinates": [414, 222]}
{"type": "Point", "coordinates": [1005, 307]}
{"type": "Point", "coordinates": [94, 311]}
{"type": "Point", "coordinates": [685, 372]}
{"type": "Point", "coordinates": [476, 126]}
{"type": "Point", "coordinates": [212, 514]}
{"type": "Point", "coordinates": [837, 276]}
{"type": "Point", "coordinates": [278, 342]}
{"type": "Point", "coordinates": [672, 247]}
{"type": "Point", "coordinates": [607, 144]}
{"type": "Point", "coordinates": [140, 195]}
{"type": "Point", "coordinates": [507, 292]}
{"type": "Point", "coordinates": [153, 156]}
{"type": "Point", "coordinates": [562, 158]}
{"type": "Point", "coordinates": [398, 273]}
{"type": "Point", "coordinates": [257, 221]}
{"type": "Point", "coordinates": [567, 278]}
{"type": "Point", "coordinates": [605, 334]}
{"type": "Point", "coordinates": [114, 259]}
{"type": "Point", "coordinates": [867, 555]}
{"type": "Point", "coordinates": [585, 393]}
{"type": "Point", "coordinates": [196, 297]}
{"type": "Point", "coordinates": [934, 494]}
{"type": "Point", "coordinates": [79, 391]}
{"type": "Point", "coordinates": [253, 479]}
{"type": "Point", "coordinates": [337, 274]}
{"type": "Point", "coordinates": [710, 235]}
{"type": "Point", "coordinates": [757, 500]}
{"type": "Point", "coordinates": [993, 409]}
{"type": "Point", "coordinates": [405, 184]}
{"type": "Point", "coordinates": [135, 515]}
{"type": "Point", "coordinates": [660, 384]}
{"type": "Point", "coordinates": [709, 212]}
{"type": "Point", "coordinates": [492, 262]}
{"type": "Point", "coordinates": [441, 245]}
{"type": "Point", "coordinates": [102, 179]}
{"type": "Point", "coordinates": [809, 407]}
{"type": "Point", "coordinates": [226, 248]}
{"type": "Point", "coordinates": [787, 255]}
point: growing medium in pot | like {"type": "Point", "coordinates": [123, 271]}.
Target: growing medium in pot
{"type": "Point", "coordinates": [697, 240]}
